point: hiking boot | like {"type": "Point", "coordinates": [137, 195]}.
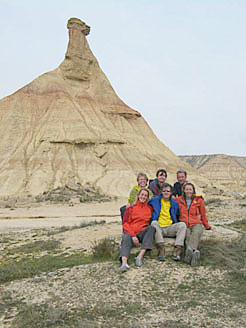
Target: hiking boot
{"type": "Point", "coordinates": [138, 262]}
{"type": "Point", "coordinates": [161, 252]}
{"type": "Point", "coordinates": [177, 253]}
{"type": "Point", "coordinates": [176, 257]}
{"type": "Point", "coordinates": [195, 260]}
{"type": "Point", "coordinates": [124, 268]}
{"type": "Point", "coordinates": [188, 255]}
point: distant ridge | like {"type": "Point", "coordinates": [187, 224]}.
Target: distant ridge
{"type": "Point", "coordinates": [220, 168]}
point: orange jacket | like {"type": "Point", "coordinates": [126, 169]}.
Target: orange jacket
{"type": "Point", "coordinates": [196, 214]}
{"type": "Point", "coordinates": [136, 218]}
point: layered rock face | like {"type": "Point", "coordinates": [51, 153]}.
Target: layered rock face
{"type": "Point", "coordinates": [226, 170]}
{"type": "Point", "coordinates": [68, 125]}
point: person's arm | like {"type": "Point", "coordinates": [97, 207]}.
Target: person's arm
{"type": "Point", "coordinates": [203, 215]}
{"type": "Point", "coordinates": [176, 219]}
{"type": "Point", "coordinates": [175, 192]}
{"type": "Point", "coordinates": [127, 223]}
{"type": "Point", "coordinates": [152, 187]}
{"type": "Point", "coordinates": [132, 196]}
{"type": "Point", "coordinates": [126, 216]}
{"type": "Point", "coordinates": [150, 194]}
{"type": "Point", "coordinates": [155, 213]}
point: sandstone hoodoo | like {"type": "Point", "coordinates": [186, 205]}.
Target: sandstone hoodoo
{"type": "Point", "coordinates": [69, 126]}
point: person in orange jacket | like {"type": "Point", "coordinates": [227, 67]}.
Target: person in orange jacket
{"type": "Point", "coordinates": [193, 213]}
{"type": "Point", "coordinates": [136, 230]}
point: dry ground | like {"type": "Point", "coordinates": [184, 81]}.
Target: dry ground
{"type": "Point", "coordinates": [49, 279]}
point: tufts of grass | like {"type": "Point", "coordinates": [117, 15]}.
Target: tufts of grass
{"type": "Point", "coordinates": [106, 248]}
{"type": "Point", "coordinates": [242, 204]}
{"type": "Point", "coordinates": [213, 201]}
{"type": "Point", "coordinates": [79, 226]}
{"type": "Point", "coordinates": [230, 256]}
{"type": "Point", "coordinates": [46, 315]}
{"type": "Point", "coordinates": [241, 225]}
{"type": "Point", "coordinates": [29, 267]}
{"type": "Point", "coordinates": [35, 247]}
{"type": "Point", "coordinates": [8, 302]}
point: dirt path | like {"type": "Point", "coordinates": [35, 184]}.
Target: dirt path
{"type": "Point", "coordinates": [20, 219]}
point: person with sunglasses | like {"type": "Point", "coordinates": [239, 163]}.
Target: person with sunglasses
{"type": "Point", "coordinates": [165, 220]}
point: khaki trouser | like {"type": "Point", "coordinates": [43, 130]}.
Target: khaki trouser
{"type": "Point", "coordinates": [177, 230]}
{"type": "Point", "coordinates": [193, 236]}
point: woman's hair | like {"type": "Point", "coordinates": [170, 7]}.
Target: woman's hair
{"type": "Point", "coordinates": [142, 190]}
{"type": "Point", "coordinates": [161, 171]}
{"type": "Point", "coordinates": [189, 184]}
{"type": "Point", "coordinates": [142, 175]}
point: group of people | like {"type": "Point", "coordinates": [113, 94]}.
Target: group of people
{"type": "Point", "coordinates": [158, 210]}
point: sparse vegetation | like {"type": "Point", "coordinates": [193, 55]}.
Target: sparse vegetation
{"type": "Point", "coordinates": [76, 226]}
{"type": "Point", "coordinates": [76, 289]}
{"type": "Point", "coordinates": [106, 248]}
{"type": "Point", "coordinates": [230, 256]}
{"type": "Point", "coordinates": [25, 267]}
{"type": "Point", "coordinates": [240, 225]}
{"type": "Point", "coordinates": [65, 194]}
{"type": "Point", "coordinates": [242, 204]}
{"type": "Point", "coordinates": [35, 247]}
{"type": "Point", "coordinates": [28, 267]}
{"type": "Point", "coordinates": [213, 201]}
{"type": "Point", "coordinates": [45, 315]}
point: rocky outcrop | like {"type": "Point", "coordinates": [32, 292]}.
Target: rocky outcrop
{"type": "Point", "coordinates": [229, 171]}
{"type": "Point", "coordinates": [69, 126]}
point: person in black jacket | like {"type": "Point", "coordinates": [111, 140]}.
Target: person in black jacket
{"type": "Point", "coordinates": [182, 178]}
{"type": "Point", "coordinates": [156, 185]}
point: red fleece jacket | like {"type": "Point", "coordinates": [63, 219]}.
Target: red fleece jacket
{"type": "Point", "coordinates": [136, 218]}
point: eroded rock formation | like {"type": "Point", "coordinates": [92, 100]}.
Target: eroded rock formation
{"type": "Point", "coordinates": [68, 125]}
{"type": "Point", "coordinates": [229, 171]}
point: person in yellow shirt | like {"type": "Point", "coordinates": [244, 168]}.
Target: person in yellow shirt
{"type": "Point", "coordinates": [165, 220]}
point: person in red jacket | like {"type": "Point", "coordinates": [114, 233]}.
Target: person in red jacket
{"type": "Point", "coordinates": [136, 230]}
{"type": "Point", "coordinates": [193, 213]}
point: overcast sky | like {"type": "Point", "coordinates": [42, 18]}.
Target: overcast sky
{"type": "Point", "coordinates": [182, 64]}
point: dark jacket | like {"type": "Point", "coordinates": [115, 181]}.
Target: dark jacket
{"type": "Point", "coordinates": [155, 188]}
{"type": "Point", "coordinates": [155, 202]}
{"type": "Point", "coordinates": [177, 189]}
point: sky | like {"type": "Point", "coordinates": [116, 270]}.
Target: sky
{"type": "Point", "coordinates": [182, 64]}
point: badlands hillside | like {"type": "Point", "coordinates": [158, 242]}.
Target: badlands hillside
{"type": "Point", "coordinates": [226, 170]}
{"type": "Point", "coordinates": [68, 126]}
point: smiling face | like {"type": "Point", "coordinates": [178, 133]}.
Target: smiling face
{"type": "Point", "coordinates": [143, 196]}
{"type": "Point", "coordinates": [188, 191]}
{"type": "Point", "coordinates": [181, 178]}
{"type": "Point", "coordinates": [166, 193]}
{"type": "Point", "coordinates": [142, 181]}
{"type": "Point", "coordinates": [161, 177]}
